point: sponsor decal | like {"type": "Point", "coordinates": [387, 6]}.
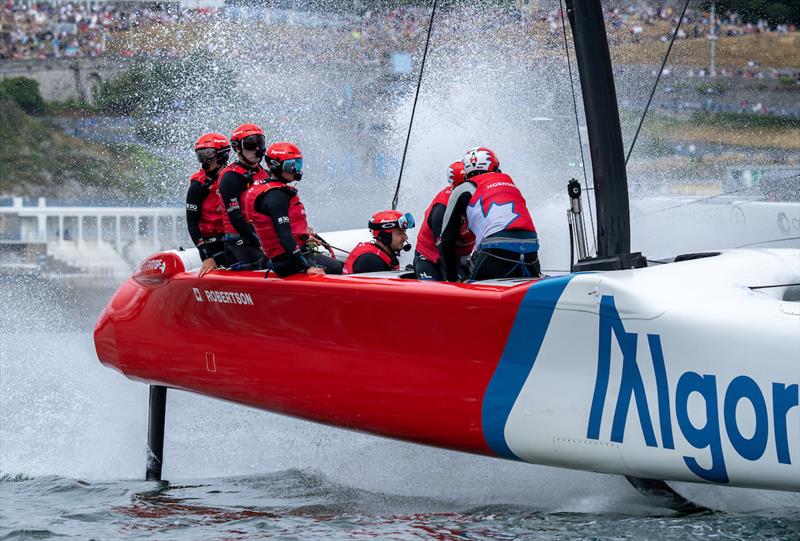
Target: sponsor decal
{"type": "Point", "coordinates": [518, 358]}
{"type": "Point", "coordinates": [189, 206]}
{"type": "Point", "coordinates": [223, 297]}
{"type": "Point", "coordinates": [283, 220]}
{"type": "Point", "coordinates": [500, 185]}
{"type": "Point", "coordinates": [153, 265]}
{"type": "Point", "coordinates": [672, 401]}
{"type": "Point", "coordinates": [233, 204]}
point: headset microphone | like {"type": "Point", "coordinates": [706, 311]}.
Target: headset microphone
{"type": "Point", "coordinates": [406, 247]}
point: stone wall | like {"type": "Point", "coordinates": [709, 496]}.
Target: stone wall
{"type": "Point", "coordinates": [61, 79]}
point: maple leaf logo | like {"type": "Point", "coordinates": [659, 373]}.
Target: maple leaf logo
{"type": "Point", "coordinates": [498, 213]}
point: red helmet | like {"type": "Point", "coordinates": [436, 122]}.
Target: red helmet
{"type": "Point", "coordinates": [285, 156]}
{"type": "Point", "coordinates": [386, 220]}
{"type": "Point", "coordinates": [212, 148]}
{"type": "Point", "coordinates": [217, 141]}
{"type": "Point", "coordinates": [479, 160]}
{"type": "Point", "coordinates": [246, 131]}
{"type": "Point", "coordinates": [455, 173]}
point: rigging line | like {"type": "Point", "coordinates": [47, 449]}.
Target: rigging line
{"type": "Point", "coordinates": [414, 108]}
{"type": "Point", "coordinates": [577, 123]}
{"type": "Point", "coordinates": [658, 78]}
{"type": "Point", "coordinates": [767, 242]}
{"type": "Point", "coordinates": [695, 201]}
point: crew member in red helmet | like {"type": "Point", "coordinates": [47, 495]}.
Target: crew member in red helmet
{"type": "Point", "coordinates": [427, 260]}
{"type": "Point", "coordinates": [497, 214]}
{"type": "Point", "coordinates": [388, 228]}
{"type": "Point", "coordinates": [279, 217]}
{"type": "Point", "coordinates": [242, 247]}
{"type": "Point", "coordinates": [203, 208]}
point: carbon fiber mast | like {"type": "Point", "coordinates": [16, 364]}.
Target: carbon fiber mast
{"type": "Point", "coordinates": [610, 178]}
{"type": "Point", "coordinates": [605, 140]}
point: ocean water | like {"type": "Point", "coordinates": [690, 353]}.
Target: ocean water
{"type": "Point", "coordinates": [72, 456]}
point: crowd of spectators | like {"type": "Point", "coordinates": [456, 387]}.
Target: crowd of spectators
{"type": "Point", "coordinates": [66, 29]}
{"type": "Point", "coordinates": [44, 30]}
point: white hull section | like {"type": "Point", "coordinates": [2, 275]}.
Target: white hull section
{"type": "Point", "coordinates": [676, 372]}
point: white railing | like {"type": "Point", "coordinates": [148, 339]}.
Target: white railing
{"type": "Point", "coordinates": [92, 238]}
{"type": "Point", "coordinates": [84, 225]}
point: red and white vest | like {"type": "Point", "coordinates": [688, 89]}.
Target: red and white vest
{"type": "Point", "coordinates": [497, 205]}
{"type": "Point", "coordinates": [265, 228]}
{"type": "Point", "coordinates": [252, 175]}
{"type": "Point", "coordinates": [368, 248]}
{"type": "Point", "coordinates": [211, 211]}
{"type": "Point", "coordinates": [426, 244]}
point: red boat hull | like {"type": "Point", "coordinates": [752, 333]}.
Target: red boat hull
{"type": "Point", "coordinates": [394, 357]}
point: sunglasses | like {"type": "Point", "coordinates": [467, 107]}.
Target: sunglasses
{"type": "Point", "coordinates": [406, 221]}
{"type": "Point", "coordinates": [294, 165]}
{"type": "Point", "coordinates": [206, 155]}
{"type": "Point", "coordinates": [254, 142]}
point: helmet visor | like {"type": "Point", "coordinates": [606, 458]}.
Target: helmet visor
{"type": "Point", "coordinates": [254, 142]}
{"type": "Point", "coordinates": [206, 155]}
{"type": "Point", "coordinates": [406, 221]}
{"type": "Point", "coordinates": [294, 165]}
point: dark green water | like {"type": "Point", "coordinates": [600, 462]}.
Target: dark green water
{"type": "Point", "coordinates": [300, 504]}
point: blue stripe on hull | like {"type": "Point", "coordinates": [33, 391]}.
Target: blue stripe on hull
{"type": "Point", "coordinates": [519, 355]}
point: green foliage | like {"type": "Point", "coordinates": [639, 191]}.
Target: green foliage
{"type": "Point", "coordinates": [744, 120]}
{"type": "Point", "coordinates": [774, 11]}
{"type": "Point", "coordinates": [40, 159]}
{"type": "Point", "coordinates": [716, 87]}
{"type": "Point", "coordinates": [25, 92]}
{"type": "Point", "coordinates": [150, 87]}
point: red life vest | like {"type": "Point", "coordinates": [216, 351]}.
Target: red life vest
{"type": "Point", "coordinates": [369, 248]}
{"type": "Point", "coordinates": [497, 205]}
{"type": "Point", "coordinates": [251, 175]}
{"type": "Point", "coordinates": [265, 229]}
{"type": "Point", "coordinates": [211, 211]}
{"type": "Point", "coordinates": [426, 244]}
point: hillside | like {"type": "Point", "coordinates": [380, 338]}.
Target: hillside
{"type": "Point", "coordinates": [39, 159]}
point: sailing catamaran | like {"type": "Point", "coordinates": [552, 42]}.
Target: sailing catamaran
{"type": "Point", "coordinates": [687, 370]}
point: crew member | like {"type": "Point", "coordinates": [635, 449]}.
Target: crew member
{"type": "Point", "coordinates": [203, 208]}
{"type": "Point", "coordinates": [427, 261]}
{"type": "Point", "coordinates": [388, 228]}
{"type": "Point", "coordinates": [242, 247]}
{"type": "Point", "coordinates": [496, 213]}
{"type": "Point", "coordinates": [279, 216]}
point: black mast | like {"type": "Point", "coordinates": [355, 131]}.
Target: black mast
{"type": "Point", "coordinates": [605, 139]}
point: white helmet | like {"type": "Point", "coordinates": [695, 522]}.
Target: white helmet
{"type": "Point", "coordinates": [479, 160]}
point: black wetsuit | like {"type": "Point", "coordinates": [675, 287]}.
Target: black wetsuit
{"type": "Point", "coordinates": [195, 197]}
{"type": "Point", "coordinates": [243, 250]}
{"type": "Point", "coordinates": [295, 259]}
